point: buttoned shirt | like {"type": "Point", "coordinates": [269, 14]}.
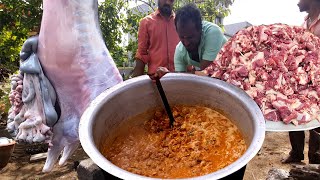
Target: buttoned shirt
{"type": "Point", "coordinates": [157, 40]}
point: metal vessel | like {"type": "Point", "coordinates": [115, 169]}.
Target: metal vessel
{"type": "Point", "coordinates": [138, 95]}
{"type": "Point", "coordinates": [6, 150]}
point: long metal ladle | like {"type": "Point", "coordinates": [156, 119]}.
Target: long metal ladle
{"type": "Point", "coordinates": [165, 101]}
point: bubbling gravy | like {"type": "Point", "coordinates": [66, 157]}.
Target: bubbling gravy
{"type": "Point", "coordinates": [202, 141]}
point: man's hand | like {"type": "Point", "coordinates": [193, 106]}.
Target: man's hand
{"type": "Point", "coordinates": [161, 71]}
{"type": "Point", "coordinates": [138, 69]}
{"type": "Point", "coordinates": [29, 46]}
{"type": "Point", "coordinates": [200, 73]}
{"type": "Point", "coordinates": [191, 69]}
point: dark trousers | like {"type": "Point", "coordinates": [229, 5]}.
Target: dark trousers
{"type": "Point", "coordinates": [297, 144]}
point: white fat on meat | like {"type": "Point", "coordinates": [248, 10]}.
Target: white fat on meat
{"type": "Point", "coordinates": [302, 76]}
{"type": "Point", "coordinates": [313, 94]}
{"type": "Point", "coordinates": [252, 77]}
{"type": "Point", "coordinates": [279, 82]}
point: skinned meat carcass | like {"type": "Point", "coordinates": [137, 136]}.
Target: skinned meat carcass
{"type": "Point", "coordinates": [278, 66]}
{"type": "Point", "coordinates": [75, 60]}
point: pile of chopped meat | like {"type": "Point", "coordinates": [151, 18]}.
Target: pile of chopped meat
{"type": "Point", "coordinates": [278, 66]}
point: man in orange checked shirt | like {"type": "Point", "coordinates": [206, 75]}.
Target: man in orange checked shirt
{"type": "Point", "coordinates": [157, 40]}
{"type": "Point", "coordinates": [312, 23]}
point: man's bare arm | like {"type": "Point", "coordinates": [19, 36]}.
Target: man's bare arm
{"type": "Point", "coordinates": [138, 69]}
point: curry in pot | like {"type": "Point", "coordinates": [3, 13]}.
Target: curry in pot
{"type": "Point", "coordinates": [202, 141]}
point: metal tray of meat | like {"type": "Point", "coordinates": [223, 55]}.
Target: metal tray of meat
{"type": "Point", "coordinates": [279, 126]}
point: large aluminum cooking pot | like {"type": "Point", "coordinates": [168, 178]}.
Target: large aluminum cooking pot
{"type": "Point", "coordinates": [137, 95]}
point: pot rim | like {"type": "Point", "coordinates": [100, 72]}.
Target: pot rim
{"type": "Point", "coordinates": [85, 128]}
{"type": "Point", "coordinates": [12, 142]}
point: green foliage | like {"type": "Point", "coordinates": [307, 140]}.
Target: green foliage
{"type": "Point", "coordinates": [18, 18]}
{"type": "Point", "coordinates": [112, 20]}
{"type": "Point", "coordinates": [210, 9]}
{"type": "Point", "coordinates": [4, 97]}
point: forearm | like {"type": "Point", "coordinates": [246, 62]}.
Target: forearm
{"type": "Point", "coordinates": [138, 69]}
